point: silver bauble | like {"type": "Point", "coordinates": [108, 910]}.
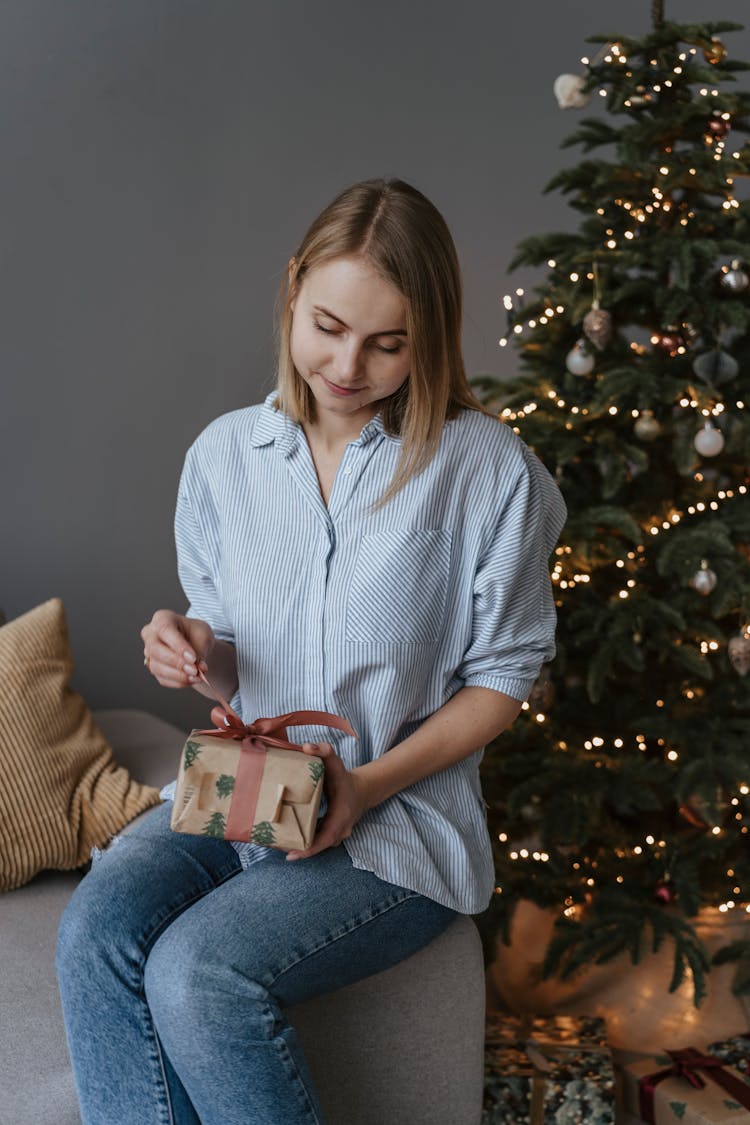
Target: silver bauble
{"type": "Point", "coordinates": [734, 280]}
{"type": "Point", "coordinates": [709, 441]}
{"type": "Point", "coordinates": [579, 361]}
{"type": "Point", "coordinates": [704, 580]}
{"type": "Point", "coordinates": [716, 366]}
{"type": "Point", "coordinates": [568, 89]}
{"type": "Point", "coordinates": [597, 325]}
{"type": "Point", "coordinates": [739, 654]}
{"type": "Point", "coordinates": [646, 427]}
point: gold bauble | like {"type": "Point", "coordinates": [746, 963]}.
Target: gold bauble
{"type": "Point", "coordinates": [714, 52]}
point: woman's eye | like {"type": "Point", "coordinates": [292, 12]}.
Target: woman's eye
{"type": "Point", "coordinates": [389, 351]}
{"type": "Point", "coordinates": [328, 331]}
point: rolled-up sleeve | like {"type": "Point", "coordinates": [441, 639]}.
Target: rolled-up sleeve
{"type": "Point", "coordinates": [514, 617]}
{"type": "Point", "coordinates": [197, 540]}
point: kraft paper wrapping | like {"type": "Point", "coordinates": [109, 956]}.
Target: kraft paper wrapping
{"type": "Point", "coordinates": [694, 1096]}
{"type": "Point", "coordinates": [288, 796]}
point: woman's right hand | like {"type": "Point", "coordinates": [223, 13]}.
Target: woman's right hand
{"type": "Point", "coordinates": [175, 647]}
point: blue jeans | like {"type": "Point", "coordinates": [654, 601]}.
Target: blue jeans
{"type": "Point", "coordinates": [175, 966]}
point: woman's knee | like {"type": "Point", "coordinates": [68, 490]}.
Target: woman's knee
{"type": "Point", "coordinates": [95, 924]}
{"type": "Point", "coordinates": [192, 984]}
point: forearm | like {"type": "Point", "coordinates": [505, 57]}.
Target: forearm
{"type": "Point", "coordinates": [466, 723]}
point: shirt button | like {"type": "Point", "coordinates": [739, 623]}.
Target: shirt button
{"type": "Point", "coordinates": [347, 472]}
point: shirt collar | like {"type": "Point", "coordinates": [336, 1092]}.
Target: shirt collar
{"type": "Point", "coordinates": [273, 426]}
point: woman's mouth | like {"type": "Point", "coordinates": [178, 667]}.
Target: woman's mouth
{"type": "Point", "coordinates": [335, 389]}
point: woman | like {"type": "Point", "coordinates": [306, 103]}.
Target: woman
{"type": "Point", "coordinates": [367, 542]}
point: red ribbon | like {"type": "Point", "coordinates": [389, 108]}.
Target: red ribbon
{"type": "Point", "coordinates": [254, 739]}
{"type": "Point", "coordinates": [686, 1064]}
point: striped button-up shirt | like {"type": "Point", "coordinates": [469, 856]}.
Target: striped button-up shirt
{"type": "Point", "coordinates": [378, 616]}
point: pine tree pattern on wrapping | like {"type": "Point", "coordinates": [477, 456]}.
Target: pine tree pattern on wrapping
{"type": "Point", "coordinates": [224, 785]}
{"type": "Point", "coordinates": [192, 750]}
{"type": "Point", "coordinates": [678, 1108]}
{"type": "Point", "coordinates": [317, 769]}
{"type": "Point", "coordinates": [263, 833]}
{"type": "Point", "coordinates": [216, 825]}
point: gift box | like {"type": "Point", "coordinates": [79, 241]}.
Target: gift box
{"type": "Point", "coordinates": [249, 783]}
{"type": "Point", "coordinates": [735, 1051]}
{"type": "Point", "coordinates": [708, 1087]}
{"type": "Point", "coordinates": [554, 1070]}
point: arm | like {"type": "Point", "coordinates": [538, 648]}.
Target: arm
{"type": "Point", "coordinates": [466, 723]}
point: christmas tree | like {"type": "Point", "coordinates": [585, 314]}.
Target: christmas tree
{"type": "Point", "coordinates": [620, 798]}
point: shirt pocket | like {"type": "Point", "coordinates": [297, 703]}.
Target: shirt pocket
{"type": "Point", "coordinates": [399, 587]}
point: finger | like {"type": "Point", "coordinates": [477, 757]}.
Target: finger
{"type": "Point", "coordinates": [219, 717]}
{"type": "Point", "coordinates": [319, 846]}
{"type": "Point", "coordinates": [319, 749]}
{"type": "Point", "coordinates": [328, 836]}
{"type": "Point", "coordinates": [169, 668]}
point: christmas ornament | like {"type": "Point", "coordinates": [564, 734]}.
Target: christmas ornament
{"type": "Point", "coordinates": [734, 279]}
{"type": "Point", "coordinates": [542, 693]}
{"type": "Point", "coordinates": [716, 366]}
{"type": "Point", "coordinates": [647, 428]}
{"type": "Point", "coordinates": [709, 441]}
{"type": "Point", "coordinates": [579, 360]}
{"type": "Point", "coordinates": [701, 812]}
{"type": "Point", "coordinates": [717, 128]}
{"type": "Point", "coordinates": [669, 340]}
{"type": "Point", "coordinates": [597, 325]}
{"type": "Point", "coordinates": [715, 51]}
{"type": "Point", "coordinates": [569, 91]}
{"type": "Point", "coordinates": [739, 653]}
{"type": "Point", "coordinates": [704, 580]}
{"type": "Point", "coordinates": [664, 891]}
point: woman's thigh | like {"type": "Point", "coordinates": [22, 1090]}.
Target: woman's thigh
{"type": "Point", "coordinates": [304, 928]}
{"type": "Point", "coordinates": [140, 883]}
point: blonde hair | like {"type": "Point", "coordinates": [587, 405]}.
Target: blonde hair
{"type": "Point", "coordinates": [405, 238]}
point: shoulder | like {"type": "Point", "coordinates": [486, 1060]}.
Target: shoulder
{"type": "Point", "coordinates": [500, 464]}
{"type": "Point", "coordinates": [485, 446]}
{"type": "Point", "coordinates": [228, 429]}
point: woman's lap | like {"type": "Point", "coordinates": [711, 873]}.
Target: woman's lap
{"type": "Point", "coordinates": [297, 928]}
{"type": "Point", "coordinates": [175, 966]}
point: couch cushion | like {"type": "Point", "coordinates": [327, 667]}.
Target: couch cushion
{"type": "Point", "coordinates": [62, 791]}
{"type": "Point", "coordinates": [36, 1082]}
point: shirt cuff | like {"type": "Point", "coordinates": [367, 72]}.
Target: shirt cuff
{"type": "Point", "coordinates": [519, 689]}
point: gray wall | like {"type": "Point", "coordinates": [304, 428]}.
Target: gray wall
{"type": "Point", "coordinates": [160, 160]}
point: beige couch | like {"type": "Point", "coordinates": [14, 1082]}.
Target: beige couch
{"type": "Point", "coordinates": [404, 1047]}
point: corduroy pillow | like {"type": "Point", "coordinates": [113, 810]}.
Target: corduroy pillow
{"type": "Point", "coordinates": [61, 792]}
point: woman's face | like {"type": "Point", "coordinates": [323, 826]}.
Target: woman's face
{"type": "Point", "coordinates": [349, 341]}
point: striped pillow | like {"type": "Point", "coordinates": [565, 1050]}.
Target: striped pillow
{"type": "Point", "coordinates": [61, 792]}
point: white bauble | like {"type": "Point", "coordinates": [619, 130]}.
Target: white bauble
{"type": "Point", "coordinates": [739, 654]}
{"type": "Point", "coordinates": [704, 580]}
{"type": "Point", "coordinates": [709, 441]}
{"type": "Point", "coordinates": [569, 91]}
{"type": "Point", "coordinates": [647, 428]}
{"type": "Point", "coordinates": [578, 361]}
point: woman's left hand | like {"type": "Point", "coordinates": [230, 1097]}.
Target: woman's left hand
{"type": "Point", "coordinates": [347, 801]}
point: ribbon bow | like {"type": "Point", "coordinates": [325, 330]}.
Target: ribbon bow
{"type": "Point", "coordinates": [687, 1064]}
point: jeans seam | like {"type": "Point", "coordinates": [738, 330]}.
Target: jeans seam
{"type": "Point", "coordinates": [344, 932]}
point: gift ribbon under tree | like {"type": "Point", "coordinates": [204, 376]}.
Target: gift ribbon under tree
{"type": "Point", "coordinates": [688, 1064]}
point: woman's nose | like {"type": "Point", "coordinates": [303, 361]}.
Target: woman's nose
{"type": "Point", "coordinates": [349, 360]}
